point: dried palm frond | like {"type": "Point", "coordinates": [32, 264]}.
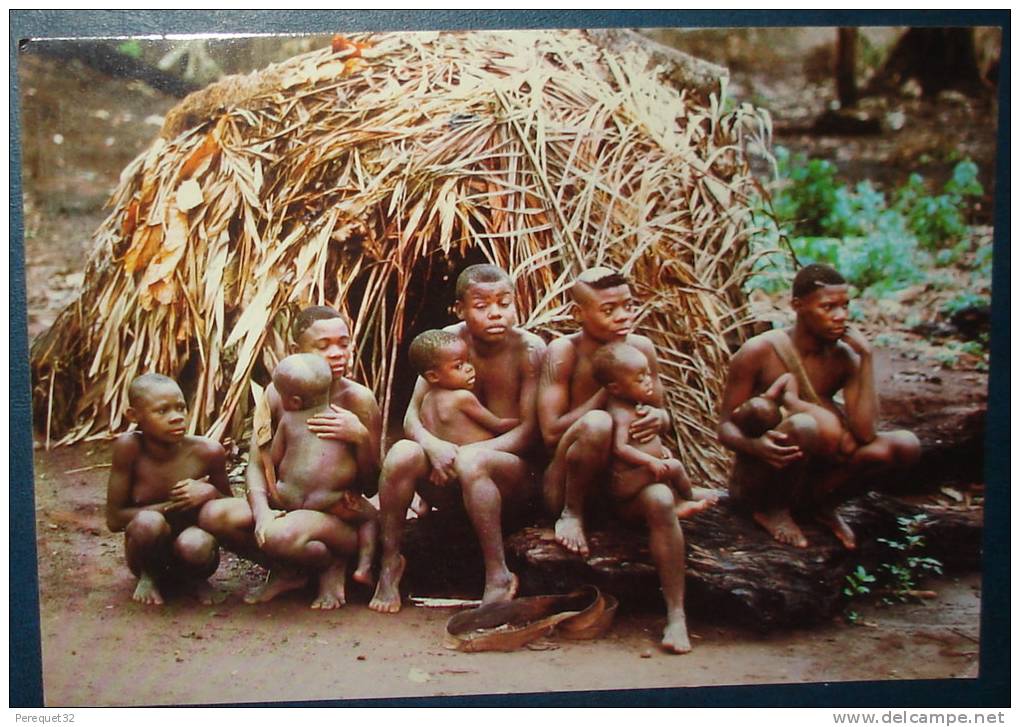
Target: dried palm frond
{"type": "Point", "coordinates": [346, 176]}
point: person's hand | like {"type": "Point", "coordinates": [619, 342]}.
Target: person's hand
{"type": "Point", "coordinates": [339, 424]}
{"type": "Point", "coordinates": [856, 341]}
{"type": "Point", "coordinates": [774, 448]}
{"type": "Point", "coordinates": [649, 423]}
{"type": "Point", "coordinates": [263, 522]}
{"type": "Point", "coordinates": [659, 468]}
{"type": "Point", "coordinates": [442, 456]}
{"type": "Point", "coordinates": [190, 494]}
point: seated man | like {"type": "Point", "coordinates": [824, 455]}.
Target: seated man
{"type": "Point", "coordinates": [489, 475]}
{"type": "Point", "coordinates": [159, 480]}
{"type": "Point", "coordinates": [813, 457]}
{"type": "Point", "coordinates": [296, 543]}
{"type": "Point", "coordinates": [576, 427]}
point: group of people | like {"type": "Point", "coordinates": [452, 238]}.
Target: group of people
{"type": "Point", "coordinates": [498, 423]}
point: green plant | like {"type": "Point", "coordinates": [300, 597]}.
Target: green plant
{"type": "Point", "coordinates": [857, 585]}
{"type": "Point", "coordinates": [910, 564]}
{"type": "Point", "coordinates": [962, 301]}
{"type": "Point", "coordinates": [130, 48]}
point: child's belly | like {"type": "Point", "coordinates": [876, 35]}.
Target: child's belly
{"type": "Point", "coordinates": [314, 483]}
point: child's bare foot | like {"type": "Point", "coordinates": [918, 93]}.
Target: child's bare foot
{"type": "Point", "coordinates": [690, 508]}
{"type": "Point", "coordinates": [206, 594]}
{"type": "Point", "coordinates": [147, 592]}
{"type": "Point", "coordinates": [570, 534]}
{"type": "Point", "coordinates": [503, 588]}
{"type": "Point", "coordinates": [705, 494]}
{"type": "Point", "coordinates": [363, 574]}
{"type": "Point", "coordinates": [780, 525]}
{"type": "Point", "coordinates": [675, 638]}
{"type": "Point", "coordinates": [332, 588]}
{"type": "Point", "coordinates": [832, 520]}
{"type": "Point", "coordinates": [387, 592]}
{"type": "Point", "coordinates": [278, 582]}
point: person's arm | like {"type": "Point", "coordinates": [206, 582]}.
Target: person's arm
{"type": "Point", "coordinates": [519, 438]}
{"type": "Point", "coordinates": [623, 450]}
{"type": "Point", "coordinates": [472, 408]}
{"type": "Point", "coordinates": [859, 394]}
{"type": "Point", "coordinates": [255, 476]}
{"type": "Point", "coordinates": [193, 493]}
{"type": "Point", "coordinates": [555, 416]}
{"type": "Point", "coordinates": [119, 508]}
{"type": "Point", "coordinates": [773, 447]}
{"type": "Point", "coordinates": [442, 454]}
{"type": "Point", "coordinates": [651, 420]}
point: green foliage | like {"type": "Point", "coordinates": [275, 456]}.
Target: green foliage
{"type": "Point", "coordinates": [908, 564]}
{"type": "Point", "coordinates": [130, 48]}
{"type": "Point", "coordinates": [879, 247]}
{"type": "Point", "coordinates": [962, 301]}
{"type": "Point", "coordinates": [899, 575]}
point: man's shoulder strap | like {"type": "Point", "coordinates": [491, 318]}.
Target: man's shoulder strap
{"type": "Point", "coordinates": [783, 346]}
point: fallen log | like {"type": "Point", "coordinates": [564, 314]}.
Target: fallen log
{"type": "Point", "coordinates": [735, 572]}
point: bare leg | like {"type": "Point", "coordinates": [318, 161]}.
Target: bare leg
{"type": "Point", "coordinates": [146, 547]}
{"type": "Point", "coordinates": [657, 507]}
{"type": "Point", "coordinates": [309, 540]}
{"type": "Point", "coordinates": [405, 464]}
{"type": "Point", "coordinates": [230, 521]}
{"type": "Point", "coordinates": [279, 581]}
{"type": "Point", "coordinates": [690, 500]}
{"type": "Point", "coordinates": [889, 452]}
{"type": "Point", "coordinates": [485, 477]}
{"type": "Point", "coordinates": [777, 486]}
{"type": "Point", "coordinates": [199, 556]}
{"type": "Point", "coordinates": [332, 587]}
{"type": "Point", "coordinates": [582, 454]}
{"type": "Point", "coordinates": [367, 535]}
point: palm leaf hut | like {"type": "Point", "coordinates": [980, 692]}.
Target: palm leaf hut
{"type": "Point", "coordinates": [365, 175]}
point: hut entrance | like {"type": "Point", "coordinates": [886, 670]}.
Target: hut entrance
{"type": "Point", "coordinates": [430, 300]}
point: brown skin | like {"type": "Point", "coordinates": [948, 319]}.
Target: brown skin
{"type": "Point", "coordinates": [636, 465]}
{"type": "Point", "coordinates": [159, 480]}
{"type": "Point", "coordinates": [449, 410]}
{"type": "Point", "coordinates": [298, 542]}
{"type": "Point", "coordinates": [835, 357]}
{"type": "Point", "coordinates": [320, 474]}
{"type": "Point", "coordinates": [575, 427]}
{"type": "Point", "coordinates": [491, 473]}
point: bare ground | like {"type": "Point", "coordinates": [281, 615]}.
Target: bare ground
{"type": "Point", "coordinates": [100, 648]}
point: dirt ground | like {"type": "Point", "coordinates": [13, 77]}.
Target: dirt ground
{"type": "Point", "coordinates": [99, 648]}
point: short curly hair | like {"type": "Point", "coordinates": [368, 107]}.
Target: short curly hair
{"type": "Point", "coordinates": [426, 348]}
{"type": "Point", "coordinates": [481, 273]}
{"type": "Point", "coordinates": [814, 276]}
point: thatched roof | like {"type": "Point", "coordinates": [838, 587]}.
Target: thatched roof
{"type": "Point", "coordinates": [348, 176]}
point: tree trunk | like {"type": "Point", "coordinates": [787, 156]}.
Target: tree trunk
{"type": "Point", "coordinates": [846, 65]}
{"type": "Point", "coordinates": [939, 59]}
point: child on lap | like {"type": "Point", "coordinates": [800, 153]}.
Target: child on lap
{"type": "Point", "coordinates": [449, 409]}
{"type": "Point", "coordinates": [312, 473]}
{"type": "Point", "coordinates": [624, 372]}
{"type": "Point", "coordinates": [159, 480]}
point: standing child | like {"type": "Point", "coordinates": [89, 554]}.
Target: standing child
{"type": "Point", "coordinates": [623, 371]}
{"type": "Point", "coordinates": [316, 473]}
{"type": "Point", "coordinates": [159, 480]}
